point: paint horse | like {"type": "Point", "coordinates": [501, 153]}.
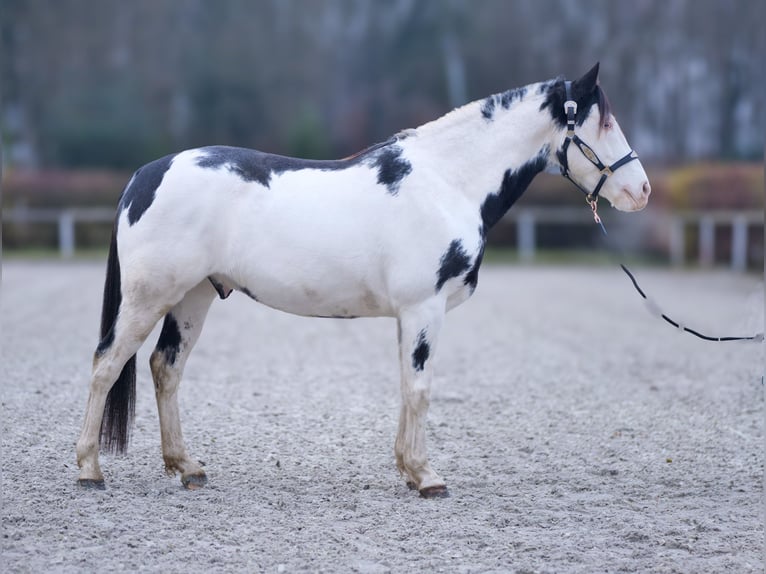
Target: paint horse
{"type": "Point", "coordinates": [397, 230]}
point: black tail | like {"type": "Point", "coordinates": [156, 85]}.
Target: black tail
{"type": "Point", "coordinates": [120, 408]}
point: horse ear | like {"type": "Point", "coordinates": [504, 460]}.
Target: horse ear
{"type": "Point", "coordinates": [585, 85]}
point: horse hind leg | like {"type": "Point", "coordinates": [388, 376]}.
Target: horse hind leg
{"type": "Point", "coordinates": [180, 331]}
{"type": "Point", "coordinates": [113, 363]}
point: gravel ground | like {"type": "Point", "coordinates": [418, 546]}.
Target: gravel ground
{"type": "Point", "coordinates": [576, 433]}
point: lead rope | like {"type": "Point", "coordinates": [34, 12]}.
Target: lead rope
{"type": "Point", "coordinates": [651, 305]}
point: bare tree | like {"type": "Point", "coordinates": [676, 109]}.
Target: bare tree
{"type": "Point", "coordinates": [115, 83]}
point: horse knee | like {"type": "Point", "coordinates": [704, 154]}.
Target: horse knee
{"type": "Point", "coordinates": [418, 398]}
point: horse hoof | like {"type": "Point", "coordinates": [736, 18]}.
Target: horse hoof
{"type": "Point", "coordinates": [91, 484]}
{"type": "Point", "coordinates": [434, 492]}
{"type": "Point", "coordinates": [411, 485]}
{"type": "Point", "coordinates": [194, 481]}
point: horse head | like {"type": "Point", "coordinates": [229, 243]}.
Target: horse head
{"type": "Point", "coordinates": [592, 151]}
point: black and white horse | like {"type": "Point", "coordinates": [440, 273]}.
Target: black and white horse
{"type": "Point", "coordinates": [397, 230]}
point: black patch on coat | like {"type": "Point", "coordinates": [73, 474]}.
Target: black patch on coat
{"type": "Point", "coordinates": [453, 263]}
{"type": "Point", "coordinates": [392, 168]}
{"type": "Point", "coordinates": [256, 166]}
{"type": "Point", "coordinates": [421, 352]}
{"type": "Point", "coordinates": [472, 277]}
{"type": "Point", "coordinates": [169, 342]}
{"type": "Point", "coordinates": [248, 165]}
{"type": "Point", "coordinates": [488, 107]}
{"type": "Point", "coordinates": [515, 183]}
{"type": "Point", "coordinates": [510, 96]}
{"type": "Point", "coordinates": [139, 194]}
{"type": "Point", "coordinates": [504, 99]}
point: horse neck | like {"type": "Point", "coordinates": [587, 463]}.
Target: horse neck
{"type": "Point", "coordinates": [475, 152]}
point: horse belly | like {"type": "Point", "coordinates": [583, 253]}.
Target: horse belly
{"type": "Point", "coordinates": [308, 266]}
{"type": "Point", "coordinates": [313, 300]}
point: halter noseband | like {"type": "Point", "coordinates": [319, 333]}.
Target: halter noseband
{"type": "Point", "coordinates": [570, 108]}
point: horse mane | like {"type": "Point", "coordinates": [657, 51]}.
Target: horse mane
{"type": "Point", "coordinates": [370, 149]}
{"type": "Point", "coordinates": [398, 136]}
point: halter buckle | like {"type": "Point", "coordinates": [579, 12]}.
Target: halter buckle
{"type": "Point", "coordinates": [570, 109]}
{"type": "Point", "coordinates": [606, 171]}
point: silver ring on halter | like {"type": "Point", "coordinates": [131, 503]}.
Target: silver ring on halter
{"type": "Point", "coordinates": [570, 109]}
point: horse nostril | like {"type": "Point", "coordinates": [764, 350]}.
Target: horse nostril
{"type": "Point", "coordinates": [647, 189]}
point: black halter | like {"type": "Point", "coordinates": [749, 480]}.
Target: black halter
{"type": "Point", "coordinates": [570, 108]}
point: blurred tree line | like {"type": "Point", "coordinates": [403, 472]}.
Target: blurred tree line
{"type": "Point", "coordinates": [114, 84]}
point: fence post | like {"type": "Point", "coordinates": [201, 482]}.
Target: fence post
{"type": "Point", "coordinates": [525, 236]}
{"type": "Point", "coordinates": [66, 234]}
{"type": "Point", "coordinates": [739, 243]}
{"type": "Point", "coordinates": [707, 241]}
{"type": "Point", "coordinates": [677, 241]}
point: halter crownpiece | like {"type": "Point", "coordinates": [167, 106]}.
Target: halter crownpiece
{"type": "Point", "coordinates": [570, 109]}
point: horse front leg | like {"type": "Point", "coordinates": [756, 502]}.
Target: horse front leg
{"type": "Point", "coordinates": [180, 331]}
{"type": "Point", "coordinates": [418, 331]}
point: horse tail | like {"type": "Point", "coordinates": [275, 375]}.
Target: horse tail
{"type": "Point", "coordinates": [120, 407]}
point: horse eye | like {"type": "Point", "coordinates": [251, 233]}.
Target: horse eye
{"type": "Point", "coordinates": [607, 125]}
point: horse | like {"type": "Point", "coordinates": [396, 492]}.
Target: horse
{"type": "Point", "coordinates": [397, 230]}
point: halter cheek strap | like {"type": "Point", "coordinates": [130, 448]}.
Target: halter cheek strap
{"type": "Point", "coordinates": [570, 108]}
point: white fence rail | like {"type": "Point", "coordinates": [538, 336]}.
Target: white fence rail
{"type": "Point", "coordinates": [525, 219]}
{"type": "Point", "coordinates": [738, 221]}
{"type": "Point", "coordinates": [65, 219]}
